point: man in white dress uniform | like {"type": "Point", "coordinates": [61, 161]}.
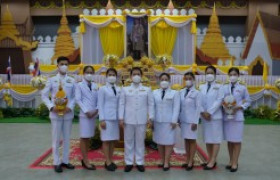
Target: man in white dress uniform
{"type": "Point", "coordinates": [136, 103]}
{"type": "Point", "coordinates": [61, 125]}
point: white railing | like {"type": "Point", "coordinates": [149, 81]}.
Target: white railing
{"type": "Point", "coordinates": [24, 79]}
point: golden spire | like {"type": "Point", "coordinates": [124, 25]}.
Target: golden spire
{"type": "Point", "coordinates": [64, 45]}
{"type": "Point", "coordinates": [109, 5]}
{"type": "Point", "coordinates": [213, 44]}
{"type": "Point", "coordinates": [170, 5]}
{"type": "Point", "coordinates": [7, 23]}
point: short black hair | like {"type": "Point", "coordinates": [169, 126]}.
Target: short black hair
{"type": "Point", "coordinates": [86, 67]}
{"type": "Point", "coordinates": [190, 74]}
{"type": "Point", "coordinates": [211, 67]}
{"type": "Point", "coordinates": [62, 58]}
{"type": "Point", "coordinates": [136, 69]}
{"type": "Point", "coordinates": [164, 74]}
{"type": "Point", "coordinates": [111, 70]}
{"type": "Point", "coordinates": [234, 69]}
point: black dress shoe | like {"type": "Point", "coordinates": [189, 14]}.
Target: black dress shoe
{"type": "Point", "coordinates": [92, 167]}
{"type": "Point", "coordinates": [189, 168]}
{"type": "Point", "coordinates": [166, 168]}
{"type": "Point", "coordinates": [210, 168]}
{"type": "Point", "coordinates": [57, 168]}
{"type": "Point", "coordinates": [140, 168]}
{"type": "Point", "coordinates": [67, 166]}
{"type": "Point", "coordinates": [184, 165]}
{"type": "Point", "coordinates": [128, 168]}
{"type": "Point", "coordinates": [160, 165]}
{"type": "Point", "coordinates": [228, 167]}
{"type": "Point", "coordinates": [110, 167]}
{"type": "Point", "coordinates": [203, 164]}
{"type": "Point", "coordinates": [234, 169]}
{"type": "Point", "coordinates": [115, 166]}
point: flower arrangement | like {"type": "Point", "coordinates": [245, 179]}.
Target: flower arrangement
{"type": "Point", "coordinates": [61, 100]}
{"type": "Point", "coordinates": [146, 62]}
{"type": "Point", "coordinates": [277, 83]}
{"type": "Point", "coordinates": [126, 62]}
{"type": "Point", "coordinates": [38, 82]}
{"type": "Point", "coordinates": [110, 60]}
{"type": "Point", "coordinates": [164, 61]}
{"type": "Point", "coordinates": [228, 104]}
{"type": "Point", "coordinates": [6, 95]}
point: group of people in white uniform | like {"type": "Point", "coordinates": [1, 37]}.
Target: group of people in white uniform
{"type": "Point", "coordinates": [135, 107]}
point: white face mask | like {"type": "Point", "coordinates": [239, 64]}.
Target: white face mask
{"type": "Point", "coordinates": [63, 68]}
{"type": "Point", "coordinates": [164, 84]}
{"type": "Point", "coordinates": [210, 77]}
{"type": "Point", "coordinates": [233, 79]}
{"type": "Point", "coordinates": [189, 83]}
{"type": "Point", "coordinates": [111, 79]}
{"type": "Point", "coordinates": [88, 77]}
{"type": "Point", "coordinates": [136, 79]}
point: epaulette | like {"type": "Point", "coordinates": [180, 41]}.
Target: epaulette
{"type": "Point", "coordinates": [227, 81]}
{"type": "Point", "coordinates": [176, 87]}
{"type": "Point", "coordinates": [242, 82]}
{"type": "Point", "coordinates": [218, 82]}
{"type": "Point", "coordinates": [70, 75]}
{"type": "Point", "coordinates": [202, 82]}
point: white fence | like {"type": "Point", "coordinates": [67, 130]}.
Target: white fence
{"type": "Point", "coordinates": [257, 99]}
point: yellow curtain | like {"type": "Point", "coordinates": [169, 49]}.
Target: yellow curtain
{"type": "Point", "coordinates": [163, 39]}
{"type": "Point", "coordinates": [112, 39]}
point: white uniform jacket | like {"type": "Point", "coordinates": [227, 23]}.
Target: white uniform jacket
{"type": "Point", "coordinates": [190, 106]}
{"type": "Point", "coordinates": [136, 104]}
{"type": "Point", "coordinates": [108, 102]}
{"type": "Point", "coordinates": [86, 99]}
{"type": "Point", "coordinates": [52, 87]}
{"type": "Point", "coordinates": [212, 100]}
{"type": "Point", "coordinates": [168, 108]}
{"type": "Point", "coordinates": [241, 96]}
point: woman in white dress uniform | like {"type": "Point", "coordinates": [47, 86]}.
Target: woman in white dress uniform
{"type": "Point", "coordinates": [108, 99]}
{"type": "Point", "coordinates": [86, 97]}
{"type": "Point", "coordinates": [189, 117]}
{"type": "Point", "coordinates": [233, 128]}
{"type": "Point", "coordinates": [167, 107]}
{"type": "Point", "coordinates": [211, 115]}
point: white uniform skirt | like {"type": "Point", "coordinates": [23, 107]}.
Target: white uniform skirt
{"type": "Point", "coordinates": [112, 131]}
{"type": "Point", "coordinates": [163, 133]}
{"type": "Point", "coordinates": [212, 131]}
{"type": "Point", "coordinates": [187, 132]}
{"type": "Point", "coordinates": [233, 131]}
{"type": "Point", "coordinates": [87, 127]}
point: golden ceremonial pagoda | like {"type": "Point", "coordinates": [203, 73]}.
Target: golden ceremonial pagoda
{"type": "Point", "coordinates": [8, 30]}
{"type": "Point", "coordinates": [64, 45]}
{"type": "Point", "coordinates": [213, 44]}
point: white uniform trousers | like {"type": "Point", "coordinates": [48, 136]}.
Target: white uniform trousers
{"type": "Point", "coordinates": [64, 127]}
{"type": "Point", "coordinates": [134, 143]}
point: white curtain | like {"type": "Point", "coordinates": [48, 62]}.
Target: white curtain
{"type": "Point", "coordinates": [92, 52]}
{"type": "Point", "coordinates": [183, 52]}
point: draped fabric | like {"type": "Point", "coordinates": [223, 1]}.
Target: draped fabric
{"type": "Point", "coordinates": [173, 36]}
{"type": "Point", "coordinates": [101, 31]}
{"type": "Point", "coordinates": [184, 52]}
{"type": "Point", "coordinates": [112, 39]}
{"type": "Point", "coordinates": [163, 39]}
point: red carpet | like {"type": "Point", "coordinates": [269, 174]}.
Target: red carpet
{"type": "Point", "coordinates": [96, 157]}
